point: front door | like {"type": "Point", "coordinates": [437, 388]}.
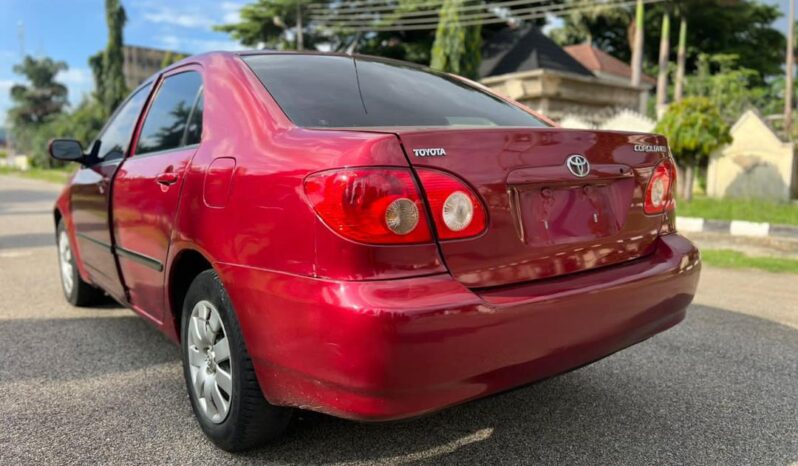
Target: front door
{"type": "Point", "coordinates": [90, 194]}
{"type": "Point", "coordinates": [148, 185]}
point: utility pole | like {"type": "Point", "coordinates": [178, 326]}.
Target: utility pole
{"type": "Point", "coordinates": [788, 92]}
{"type": "Point", "coordinates": [637, 52]}
{"type": "Point", "coordinates": [664, 52]}
{"type": "Point", "coordinates": [681, 58]}
{"type": "Point", "coordinates": [300, 42]}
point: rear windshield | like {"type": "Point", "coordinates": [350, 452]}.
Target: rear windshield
{"type": "Point", "coordinates": [339, 92]}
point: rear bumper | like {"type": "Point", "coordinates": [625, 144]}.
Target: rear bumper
{"type": "Point", "coordinates": [393, 349]}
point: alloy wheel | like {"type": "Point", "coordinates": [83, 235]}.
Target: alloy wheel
{"type": "Point", "coordinates": [65, 260]}
{"type": "Point", "coordinates": [209, 362]}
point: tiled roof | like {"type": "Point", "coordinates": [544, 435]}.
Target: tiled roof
{"type": "Point", "coordinates": [524, 49]}
{"type": "Point", "coordinates": [599, 61]}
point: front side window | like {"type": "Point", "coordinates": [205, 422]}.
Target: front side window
{"type": "Point", "coordinates": [167, 121]}
{"type": "Point", "coordinates": [115, 138]}
{"type": "Point", "coordinates": [340, 91]}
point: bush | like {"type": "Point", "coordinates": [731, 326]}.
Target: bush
{"type": "Point", "coordinates": [695, 129]}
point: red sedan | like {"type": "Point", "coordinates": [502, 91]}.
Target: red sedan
{"type": "Point", "coordinates": [366, 238]}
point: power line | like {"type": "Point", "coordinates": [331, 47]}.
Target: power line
{"type": "Point", "coordinates": [354, 3]}
{"type": "Point", "coordinates": [472, 16]}
{"type": "Point", "coordinates": [540, 12]}
{"type": "Point", "coordinates": [354, 11]}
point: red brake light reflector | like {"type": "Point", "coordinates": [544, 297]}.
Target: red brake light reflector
{"type": "Point", "coordinates": [659, 195]}
{"type": "Point", "coordinates": [370, 205]}
{"type": "Point", "coordinates": [456, 209]}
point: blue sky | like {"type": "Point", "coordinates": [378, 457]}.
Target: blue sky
{"type": "Point", "coordinates": [72, 30]}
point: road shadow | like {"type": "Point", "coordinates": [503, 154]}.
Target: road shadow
{"type": "Point", "coordinates": [27, 240]}
{"type": "Point", "coordinates": [23, 196]}
{"type": "Point", "coordinates": [75, 348]}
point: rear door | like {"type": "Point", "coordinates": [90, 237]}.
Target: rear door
{"type": "Point", "coordinates": [91, 193]}
{"type": "Point", "coordinates": [147, 187]}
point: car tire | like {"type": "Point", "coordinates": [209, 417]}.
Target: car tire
{"type": "Point", "coordinates": [224, 392]}
{"type": "Point", "coordinates": [76, 291]}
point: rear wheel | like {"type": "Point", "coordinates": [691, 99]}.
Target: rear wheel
{"type": "Point", "coordinates": [76, 291]}
{"type": "Point", "coordinates": [220, 379]}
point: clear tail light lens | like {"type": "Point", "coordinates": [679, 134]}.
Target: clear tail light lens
{"type": "Point", "coordinates": [456, 210]}
{"type": "Point", "coordinates": [370, 205]}
{"type": "Point", "coordinates": [659, 193]}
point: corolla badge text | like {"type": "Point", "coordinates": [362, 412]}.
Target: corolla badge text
{"type": "Point", "coordinates": [429, 152]}
{"type": "Point", "coordinates": [650, 148]}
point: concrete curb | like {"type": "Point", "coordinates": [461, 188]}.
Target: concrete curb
{"type": "Point", "coordinates": [736, 228]}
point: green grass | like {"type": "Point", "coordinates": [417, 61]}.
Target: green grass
{"type": "Point", "coordinates": [728, 258]}
{"type": "Point", "coordinates": [51, 175]}
{"type": "Point", "coordinates": [739, 209]}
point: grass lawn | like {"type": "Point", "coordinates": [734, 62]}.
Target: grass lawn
{"type": "Point", "coordinates": [52, 175]}
{"type": "Point", "coordinates": [739, 209]}
{"type": "Point", "coordinates": [736, 260]}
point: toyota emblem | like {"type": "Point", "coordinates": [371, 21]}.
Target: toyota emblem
{"type": "Point", "coordinates": [578, 165]}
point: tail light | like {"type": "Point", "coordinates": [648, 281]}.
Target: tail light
{"type": "Point", "coordinates": [659, 193]}
{"type": "Point", "coordinates": [456, 209]}
{"type": "Point", "coordinates": [370, 205]}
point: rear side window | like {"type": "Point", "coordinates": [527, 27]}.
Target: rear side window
{"type": "Point", "coordinates": [336, 91]}
{"type": "Point", "coordinates": [167, 122]}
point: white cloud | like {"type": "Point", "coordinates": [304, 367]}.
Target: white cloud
{"type": "Point", "coordinates": [75, 76]}
{"type": "Point", "coordinates": [183, 18]}
{"type": "Point", "coordinates": [231, 12]}
{"type": "Point", "coordinates": [6, 84]}
{"type": "Point", "coordinates": [191, 45]}
{"type": "Point", "coordinates": [193, 15]}
{"type": "Point", "coordinates": [170, 42]}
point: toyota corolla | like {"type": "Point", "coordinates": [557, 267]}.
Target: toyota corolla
{"type": "Point", "coordinates": [366, 238]}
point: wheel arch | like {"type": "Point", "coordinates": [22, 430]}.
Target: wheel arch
{"type": "Point", "coordinates": [57, 216]}
{"type": "Point", "coordinates": [186, 265]}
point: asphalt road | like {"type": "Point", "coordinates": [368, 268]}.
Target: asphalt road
{"type": "Point", "coordinates": [100, 385]}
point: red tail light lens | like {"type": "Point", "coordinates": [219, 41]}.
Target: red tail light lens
{"type": "Point", "coordinates": [370, 205]}
{"type": "Point", "coordinates": [456, 209]}
{"type": "Point", "coordinates": [659, 194]}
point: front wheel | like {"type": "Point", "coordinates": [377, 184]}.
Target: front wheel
{"type": "Point", "coordinates": [76, 291]}
{"type": "Point", "coordinates": [220, 379]}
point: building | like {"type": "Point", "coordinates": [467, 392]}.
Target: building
{"type": "Point", "coordinates": [757, 164]}
{"type": "Point", "coordinates": [142, 62]}
{"type": "Point", "coordinates": [525, 65]}
{"type": "Point", "coordinates": [603, 65]}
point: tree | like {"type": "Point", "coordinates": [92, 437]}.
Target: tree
{"type": "Point", "coordinates": [583, 18]}
{"type": "Point", "coordinates": [43, 97]}
{"type": "Point", "coordinates": [695, 130]}
{"type": "Point", "coordinates": [731, 88]}
{"type": "Point", "coordinates": [37, 103]}
{"type": "Point", "coordinates": [740, 27]}
{"type": "Point", "coordinates": [457, 48]}
{"type": "Point", "coordinates": [107, 66]}
{"type": "Point", "coordinates": [272, 24]}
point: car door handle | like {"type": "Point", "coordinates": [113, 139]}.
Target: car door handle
{"type": "Point", "coordinates": [167, 178]}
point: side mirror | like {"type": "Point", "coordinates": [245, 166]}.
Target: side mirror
{"type": "Point", "coordinates": [68, 150]}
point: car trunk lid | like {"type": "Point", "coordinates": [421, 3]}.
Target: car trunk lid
{"type": "Point", "coordinates": [543, 220]}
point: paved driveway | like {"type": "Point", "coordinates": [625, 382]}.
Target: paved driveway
{"type": "Point", "coordinates": [100, 385]}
